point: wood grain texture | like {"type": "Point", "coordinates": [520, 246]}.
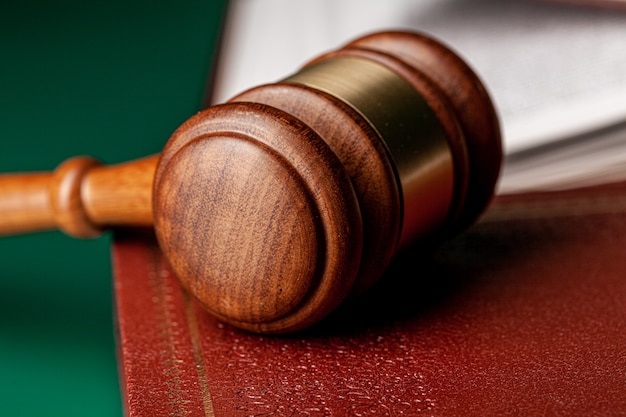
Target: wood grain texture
{"type": "Point", "coordinates": [273, 242]}
{"type": "Point", "coordinates": [120, 195]}
{"type": "Point", "coordinates": [365, 159]}
{"type": "Point", "coordinates": [24, 203]}
{"type": "Point", "coordinates": [81, 197]}
{"type": "Point", "coordinates": [66, 197]}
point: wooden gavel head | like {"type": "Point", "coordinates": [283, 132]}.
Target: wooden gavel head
{"type": "Point", "coordinates": [275, 207]}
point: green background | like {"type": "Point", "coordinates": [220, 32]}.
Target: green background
{"type": "Point", "coordinates": [111, 79]}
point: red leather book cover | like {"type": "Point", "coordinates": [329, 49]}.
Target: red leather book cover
{"type": "Point", "coordinates": [523, 314]}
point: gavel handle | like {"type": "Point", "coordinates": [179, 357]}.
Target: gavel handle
{"type": "Point", "coordinates": [81, 197]}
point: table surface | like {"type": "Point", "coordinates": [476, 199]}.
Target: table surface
{"type": "Point", "coordinates": [110, 79]}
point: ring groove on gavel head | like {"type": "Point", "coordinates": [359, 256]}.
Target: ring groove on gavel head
{"type": "Point", "coordinates": [275, 207]}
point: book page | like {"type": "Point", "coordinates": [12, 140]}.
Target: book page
{"type": "Point", "coordinates": [555, 71]}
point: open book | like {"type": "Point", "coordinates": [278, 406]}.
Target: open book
{"type": "Point", "coordinates": [556, 72]}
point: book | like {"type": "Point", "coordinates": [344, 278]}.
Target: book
{"type": "Point", "coordinates": [523, 314]}
{"type": "Point", "coordinates": [556, 71]}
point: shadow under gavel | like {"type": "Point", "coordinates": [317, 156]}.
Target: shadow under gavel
{"type": "Point", "coordinates": [276, 206]}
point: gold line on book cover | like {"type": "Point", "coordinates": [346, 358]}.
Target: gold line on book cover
{"type": "Point", "coordinates": [192, 324]}
{"type": "Point", "coordinates": [165, 296]}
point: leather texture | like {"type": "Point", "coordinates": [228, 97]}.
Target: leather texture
{"type": "Point", "coordinates": [524, 314]}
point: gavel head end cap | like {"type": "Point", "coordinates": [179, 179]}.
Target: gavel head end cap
{"type": "Point", "coordinates": [470, 101]}
{"type": "Point", "coordinates": [257, 217]}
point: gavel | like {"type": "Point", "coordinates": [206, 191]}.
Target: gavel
{"type": "Point", "coordinates": [276, 206]}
